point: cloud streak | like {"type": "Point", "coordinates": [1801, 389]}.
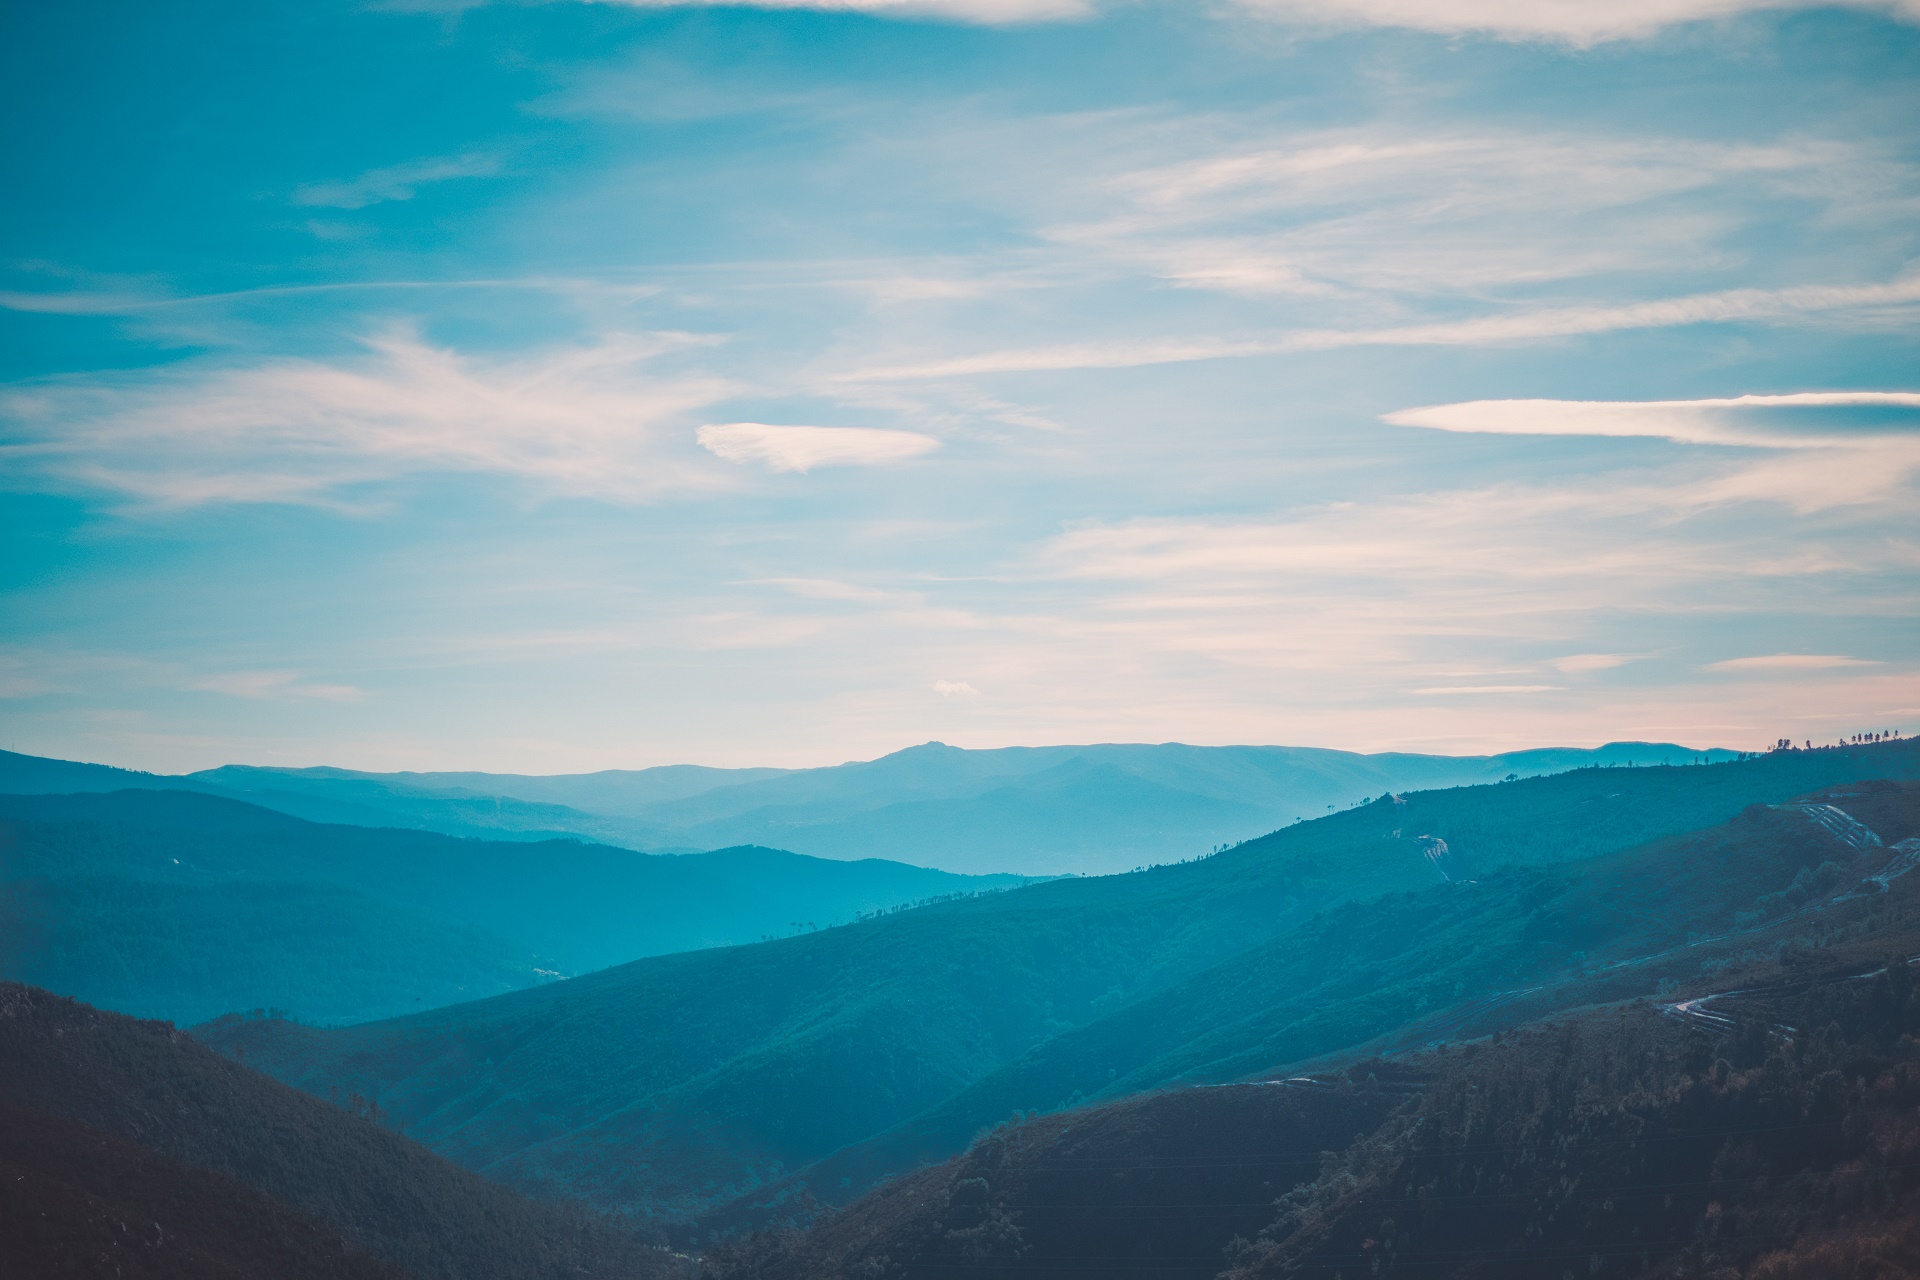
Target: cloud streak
{"type": "Point", "coordinates": [1575, 22]}
{"type": "Point", "coordinates": [1725, 307]}
{"type": "Point", "coordinates": [985, 12]}
{"type": "Point", "coordinates": [801, 448]}
{"type": "Point", "coordinates": [586, 421]}
{"type": "Point", "coordinates": [394, 182]}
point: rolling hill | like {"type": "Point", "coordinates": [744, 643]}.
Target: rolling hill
{"type": "Point", "coordinates": [183, 905]}
{"type": "Point", "coordinates": [702, 1085]}
{"type": "Point", "coordinates": [157, 1157]}
{"type": "Point", "coordinates": [1754, 1119]}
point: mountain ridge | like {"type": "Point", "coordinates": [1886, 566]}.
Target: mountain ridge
{"type": "Point", "coordinates": [1021, 810]}
{"type": "Point", "coordinates": [680, 1084]}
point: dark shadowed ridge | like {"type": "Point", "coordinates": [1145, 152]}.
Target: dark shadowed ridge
{"type": "Point", "coordinates": [339, 1186]}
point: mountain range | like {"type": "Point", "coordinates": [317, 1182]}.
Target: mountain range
{"type": "Point", "coordinates": [183, 905]}
{"type": "Point", "coordinates": [710, 1090]}
{"type": "Point", "coordinates": [1021, 810]}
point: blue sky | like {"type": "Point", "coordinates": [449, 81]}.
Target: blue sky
{"type": "Point", "coordinates": [562, 386]}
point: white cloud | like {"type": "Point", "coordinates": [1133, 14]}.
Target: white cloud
{"type": "Point", "coordinates": [260, 685]}
{"type": "Point", "coordinates": [1520, 325]}
{"type": "Point", "coordinates": [1790, 662]}
{"type": "Point", "coordinates": [585, 421]}
{"type": "Point", "coordinates": [1579, 664]}
{"type": "Point", "coordinates": [1577, 22]}
{"type": "Point", "coordinates": [955, 689]}
{"type": "Point", "coordinates": [993, 12]}
{"type": "Point", "coordinates": [1715, 421]}
{"type": "Point", "coordinates": [1450, 689]}
{"type": "Point", "coordinates": [1227, 205]}
{"type": "Point", "coordinates": [395, 182]}
{"type": "Point", "coordinates": [795, 448]}
{"type": "Point", "coordinates": [1841, 455]}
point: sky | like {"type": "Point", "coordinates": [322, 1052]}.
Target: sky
{"type": "Point", "coordinates": [560, 386]}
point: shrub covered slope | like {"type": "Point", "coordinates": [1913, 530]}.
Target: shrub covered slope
{"type": "Point", "coordinates": [1756, 1119]}
{"type": "Point", "coordinates": [206, 1167]}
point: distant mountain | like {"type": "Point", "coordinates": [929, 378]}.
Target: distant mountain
{"type": "Point", "coordinates": [129, 1149]}
{"type": "Point", "coordinates": [183, 905]}
{"type": "Point", "coordinates": [1028, 810]}
{"type": "Point", "coordinates": [704, 1084]}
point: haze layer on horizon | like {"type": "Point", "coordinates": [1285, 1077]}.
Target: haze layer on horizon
{"type": "Point", "coordinates": [551, 387]}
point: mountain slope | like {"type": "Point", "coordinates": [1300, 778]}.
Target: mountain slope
{"type": "Point", "coordinates": [72, 1193]}
{"type": "Point", "coordinates": [1368, 969]}
{"type": "Point", "coordinates": [181, 905]}
{"type": "Point", "coordinates": [680, 1082]}
{"type": "Point", "coordinates": [148, 1085]}
{"type": "Point", "coordinates": [1767, 1131]}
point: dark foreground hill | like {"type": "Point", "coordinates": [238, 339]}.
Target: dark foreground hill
{"type": "Point", "coordinates": [1760, 1121]}
{"type": "Point", "coordinates": [130, 1149]}
{"type": "Point", "coordinates": [702, 1086]}
{"type": "Point", "coordinates": [185, 906]}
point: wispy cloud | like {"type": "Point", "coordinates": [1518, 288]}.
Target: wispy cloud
{"type": "Point", "coordinates": [394, 182]}
{"type": "Point", "coordinates": [1790, 662]}
{"type": "Point", "coordinates": [993, 12]}
{"type": "Point", "coordinates": [1575, 22]}
{"type": "Point", "coordinates": [586, 420]}
{"type": "Point", "coordinates": [795, 448]}
{"type": "Point", "coordinates": [1853, 446]}
{"type": "Point", "coordinates": [1580, 664]}
{"type": "Point", "coordinates": [955, 689]}
{"type": "Point", "coordinates": [1722, 421]}
{"type": "Point", "coordinates": [1450, 689]}
{"type": "Point", "coordinates": [263, 685]}
{"type": "Point", "coordinates": [1517, 326]}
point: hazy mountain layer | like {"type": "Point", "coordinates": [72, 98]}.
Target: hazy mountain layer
{"type": "Point", "coordinates": [1031, 810]}
{"type": "Point", "coordinates": [180, 905]}
{"type": "Point", "coordinates": [679, 1084]}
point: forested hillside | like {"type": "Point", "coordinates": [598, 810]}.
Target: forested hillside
{"type": "Point", "coordinates": [1754, 1119]}
{"type": "Point", "coordinates": [214, 1164]}
{"type": "Point", "coordinates": [185, 906]}
{"type": "Point", "coordinates": [699, 1084]}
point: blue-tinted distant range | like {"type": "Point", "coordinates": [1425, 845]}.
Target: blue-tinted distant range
{"type": "Point", "coordinates": [553, 388]}
{"type": "Point", "coordinates": [1091, 810]}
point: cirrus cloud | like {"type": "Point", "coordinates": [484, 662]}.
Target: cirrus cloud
{"type": "Point", "coordinates": [1575, 22]}
{"type": "Point", "coordinates": [586, 421]}
{"type": "Point", "coordinates": [797, 448]}
{"type": "Point", "coordinates": [1791, 662]}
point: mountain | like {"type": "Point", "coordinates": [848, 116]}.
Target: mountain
{"type": "Point", "coordinates": [130, 1149]}
{"type": "Point", "coordinates": [1030, 810]}
{"type": "Point", "coordinates": [1696, 1134]}
{"type": "Point", "coordinates": [701, 1086]}
{"type": "Point", "coordinates": [182, 905]}
{"type": "Point", "coordinates": [73, 1190]}
{"type": "Point", "coordinates": [1456, 956]}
